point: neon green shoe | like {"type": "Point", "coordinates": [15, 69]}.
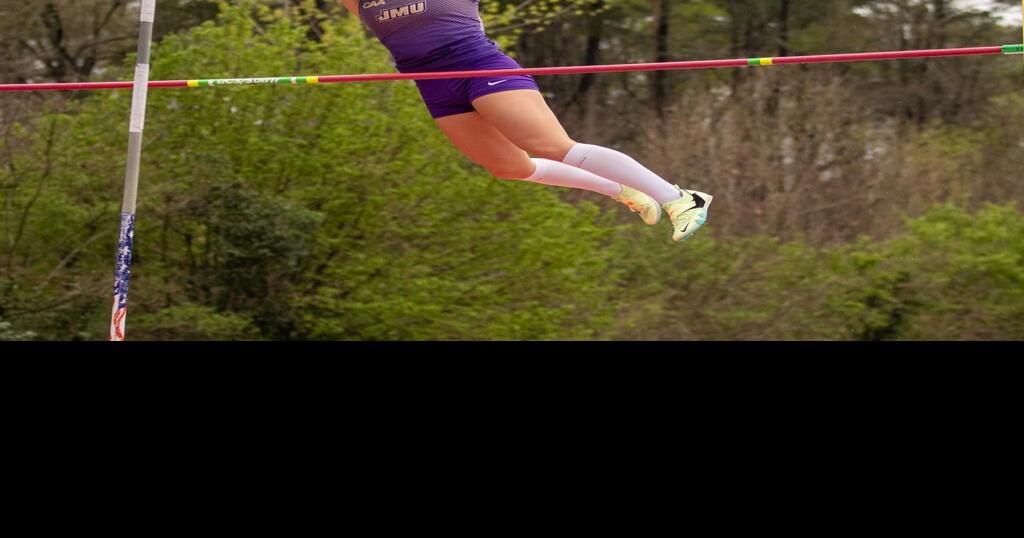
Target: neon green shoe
{"type": "Point", "coordinates": [688, 213]}
{"type": "Point", "coordinates": [639, 202]}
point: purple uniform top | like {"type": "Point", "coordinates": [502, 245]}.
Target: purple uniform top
{"type": "Point", "coordinates": [427, 32]}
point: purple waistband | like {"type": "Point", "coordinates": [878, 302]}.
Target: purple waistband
{"type": "Point", "coordinates": [450, 56]}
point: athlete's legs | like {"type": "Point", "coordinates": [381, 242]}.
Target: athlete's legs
{"type": "Point", "coordinates": [450, 103]}
{"type": "Point", "coordinates": [524, 118]}
{"type": "Point", "coordinates": [484, 145]}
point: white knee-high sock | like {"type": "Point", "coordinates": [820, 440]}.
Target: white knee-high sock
{"type": "Point", "coordinates": [623, 169]}
{"type": "Point", "coordinates": [562, 175]}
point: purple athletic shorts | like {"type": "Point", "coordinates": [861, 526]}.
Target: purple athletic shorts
{"type": "Point", "coordinates": [455, 96]}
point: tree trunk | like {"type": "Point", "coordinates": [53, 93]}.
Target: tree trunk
{"type": "Point", "coordinates": [784, 28]}
{"type": "Point", "coordinates": [662, 12]}
{"type": "Point", "coordinates": [583, 96]}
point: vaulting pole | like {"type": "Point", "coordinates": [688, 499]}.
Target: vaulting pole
{"type": "Point", "coordinates": [122, 272]}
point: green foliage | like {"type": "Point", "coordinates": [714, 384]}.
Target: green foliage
{"type": "Point", "coordinates": [510, 21]}
{"type": "Point", "coordinates": [952, 275]}
{"type": "Point", "coordinates": [8, 334]}
{"type": "Point", "coordinates": [186, 321]}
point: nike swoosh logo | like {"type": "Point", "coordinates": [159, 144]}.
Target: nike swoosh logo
{"type": "Point", "coordinates": [496, 83]}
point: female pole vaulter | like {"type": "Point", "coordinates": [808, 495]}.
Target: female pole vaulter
{"type": "Point", "coordinates": [500, 122]}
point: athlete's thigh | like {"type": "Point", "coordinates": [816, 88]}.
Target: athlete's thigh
{"type": "Point", "coordinates": [525, 119]}
{"type": "Point", "coordinates": [485, 145]}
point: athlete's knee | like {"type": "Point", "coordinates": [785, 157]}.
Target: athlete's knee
{"type": "Point", "coordinates": [511, 170]}
{"type": "Point", "coordinates": [551, 149]}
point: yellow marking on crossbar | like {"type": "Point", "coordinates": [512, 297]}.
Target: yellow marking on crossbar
{"type": "Point", "coordinates": [193, 84]}
{"type": "Point", "coordinates": [312, 80]}
{"type": "Point", "coordinates": [767, 61]}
